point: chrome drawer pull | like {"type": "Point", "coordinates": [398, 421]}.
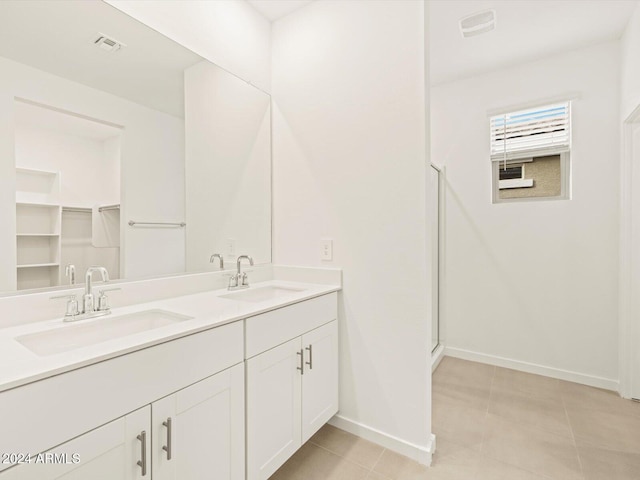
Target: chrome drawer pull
{"type": "Point", "coordinates": [142, 463]}
{"type": "Point", "coordinates": [167, 447]}
{"type": "Point", "coordinates": [301, 367]}
{"type": "Point", "coordinates": [310, 362]}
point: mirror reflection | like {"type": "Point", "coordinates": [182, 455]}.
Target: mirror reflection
{"type": "Point", "coordinates": [121, 148]}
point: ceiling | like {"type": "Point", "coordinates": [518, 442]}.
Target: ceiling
{"type": "Point", "coordinates": [57, 37]}
{"type": "Point", "coordinates": [525, 30]}
{"type": "Point", "coordinates": [275, 9]}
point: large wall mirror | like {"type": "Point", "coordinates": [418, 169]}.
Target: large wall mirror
{"type": "Point", "coordinates": [121, 148]}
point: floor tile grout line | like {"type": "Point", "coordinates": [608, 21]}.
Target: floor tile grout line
{"type": "Point", "coordinates": [375, 464]}
{"type": "Point", "coordinates": [341, 456]}
{"type": "Point", "coordinates": [516, 423]}
{"type": "Point", "coordinates": [573, 435]}
{"type": "Point", "coordinates": [516, 465]}
{"type": "Point", "coordinates": [493, 376]}
{"type": "Point", "coordinates": [486, 415]}
{"type": "Point", "coordinates": [537, 474]}
{"type": "Point", "coordinates": [524, 394]}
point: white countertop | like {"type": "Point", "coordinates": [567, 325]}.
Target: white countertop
{"type": "Point", "coordinates": [19, 366]}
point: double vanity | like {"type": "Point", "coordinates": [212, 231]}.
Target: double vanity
{"type": "Point", "coordinates": [220, 384]}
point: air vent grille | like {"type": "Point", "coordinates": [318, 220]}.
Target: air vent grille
{"type": "Point", "coordinates": [107, 43]}
{"type": "Point", "coordinates": [480, 22]}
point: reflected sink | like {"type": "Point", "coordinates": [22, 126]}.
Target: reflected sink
{"type": "Point", "coordinates": [100, 330]}
{"type": "Point", "coordinates": [261, 294]}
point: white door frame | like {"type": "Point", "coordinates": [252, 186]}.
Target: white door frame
{"type": "Point", "coordinates": [629, 280]}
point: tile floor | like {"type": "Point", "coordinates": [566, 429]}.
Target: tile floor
{"type": "Point", "coordinates": [493, 423]}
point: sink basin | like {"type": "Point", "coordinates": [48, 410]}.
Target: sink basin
{"type": "Point", "coordinates": [261, 294]}
{"type": "Point", "coordinates": [100, 330]}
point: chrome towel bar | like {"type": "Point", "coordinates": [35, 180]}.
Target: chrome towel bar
{"type": "Point", "coordinates": [161, 224]}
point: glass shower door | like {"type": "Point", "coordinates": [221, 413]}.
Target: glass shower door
{"type": "Point", "coordinates": [434, 232]}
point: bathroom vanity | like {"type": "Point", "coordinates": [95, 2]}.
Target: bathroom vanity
{"type": "Point", "coordinates": [172, 390]}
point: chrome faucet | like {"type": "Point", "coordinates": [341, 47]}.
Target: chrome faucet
{"type": "Point", "coordinates": [88, 302]}
{"type": "Point", "coordinates": [89, 307]}
{"type": "Point", "coordinates": [240, 279]}
{"type": "Point", "coordinates": [218, 256]}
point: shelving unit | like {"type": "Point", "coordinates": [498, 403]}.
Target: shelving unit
{"type": "Point", "coordinates": [37, 187]}
{"type": "Point", "coordinates": [38, 222]}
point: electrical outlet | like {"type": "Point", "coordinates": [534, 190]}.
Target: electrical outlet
{"type": "Point", "coordinates": [326, 249]}
{"type": "Point", "coordinates": [230, 247]}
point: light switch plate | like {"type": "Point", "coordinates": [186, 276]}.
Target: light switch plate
{"type": "Point", "coordinates": [326, 249]}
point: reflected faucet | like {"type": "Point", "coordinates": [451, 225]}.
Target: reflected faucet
{"type": "Point", "coordinates": [88, 302]}
{"type": "Point", "coordinates": [240, 279]}
{"type": "Point", "coordinates": [70, 271]}
{"type": "Point", "coordinates": [217, 255]}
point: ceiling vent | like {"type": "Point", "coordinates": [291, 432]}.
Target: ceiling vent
{"type": "Point", "coordinates": [108, 44]}
{"type": "Point", "coordinates": [481, 22]}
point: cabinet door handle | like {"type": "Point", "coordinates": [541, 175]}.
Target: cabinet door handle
{"type": "Point", "coordinates": [142, 463]}
{"type": "Point", "coordinates": [167, 447]}
{"type": "Point", "coordinates": [301, 367]}
{"type": "Point", "coordinates": [310, 362]}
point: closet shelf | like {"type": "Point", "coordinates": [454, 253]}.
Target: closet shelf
{"type": "Point", "coordinates": [38, 204]}
{"type": "Point", "coordinates": [38, 228]}
{"type": "Point", "coordinates": [37, 234]}
{"type": "Point", "coordinates": [38, 265]}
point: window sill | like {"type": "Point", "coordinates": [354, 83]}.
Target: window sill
{"type": "Point", "coordinates": [515, 183]}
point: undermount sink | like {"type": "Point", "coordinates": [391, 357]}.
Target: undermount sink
{"type": "Point", "coordinates": [262, 294]}
{"type": "Point", "coordinates": [100, 330]}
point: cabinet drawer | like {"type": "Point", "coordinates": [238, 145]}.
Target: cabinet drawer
{"type": "Point", "coordinates": [273, 328]}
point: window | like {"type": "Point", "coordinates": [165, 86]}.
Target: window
{"type": "Point", "coordinates": [512, 173]}
{"type": "Point", "coordinates": [530, 153]}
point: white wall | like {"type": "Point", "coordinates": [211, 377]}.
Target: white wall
{"type": "Point", "coordinates": [151, 169]}
{"type": "Point", "coordinates": [229, 33]}
{"type": "Point", "coordinates": [228, 167]}
{"type": "Point", "coordinates": [86, 173]}
{"type": "Point", "coordinates": [7, 195]}
{"type": "Point", "coordinates": [630, 205]}
{"type": "Point", "coordinates": [630, 66]}
{"type": "Point", "coordinates": [534, 282]}
{"type": "Point", "coordinates": [350, 164]}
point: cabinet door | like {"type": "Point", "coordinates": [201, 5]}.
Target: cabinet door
{"type": "Point", "coordinates": [273, 408]}
{"type": "Point", "coordinates": [198, 432]}
{"type": "Point", "coordinates": [110, 452]}
{"type": "Point", "coordinates": [320, 379]}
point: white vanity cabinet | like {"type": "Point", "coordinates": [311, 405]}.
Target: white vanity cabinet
{"type": "Point", "coordinates": [232, 402]}
{"type": "Point", "coordinates": [195, 433]}
{"type": "Point", "coordinates": [186, 395]}
{"type": "Point", "coordinates": [292, 380]}
{"type": "Point", "coordinates": [106, 453]}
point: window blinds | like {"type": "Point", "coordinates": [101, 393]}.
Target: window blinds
{"type": "Point", "coordinates": [537, 131]}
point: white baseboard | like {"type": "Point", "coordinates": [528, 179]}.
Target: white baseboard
{"type": "Point", "coordinates": [420, 454]}
{"type": "Point", "coordinates": [592, 381]}
{"type": "Point", "coordinates": [436, 357]}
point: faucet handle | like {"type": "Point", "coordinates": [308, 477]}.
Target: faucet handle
{"type": "Point", "coordinates": [72, 305]}
{"type": "Point", "coordinates": [103, 300]}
